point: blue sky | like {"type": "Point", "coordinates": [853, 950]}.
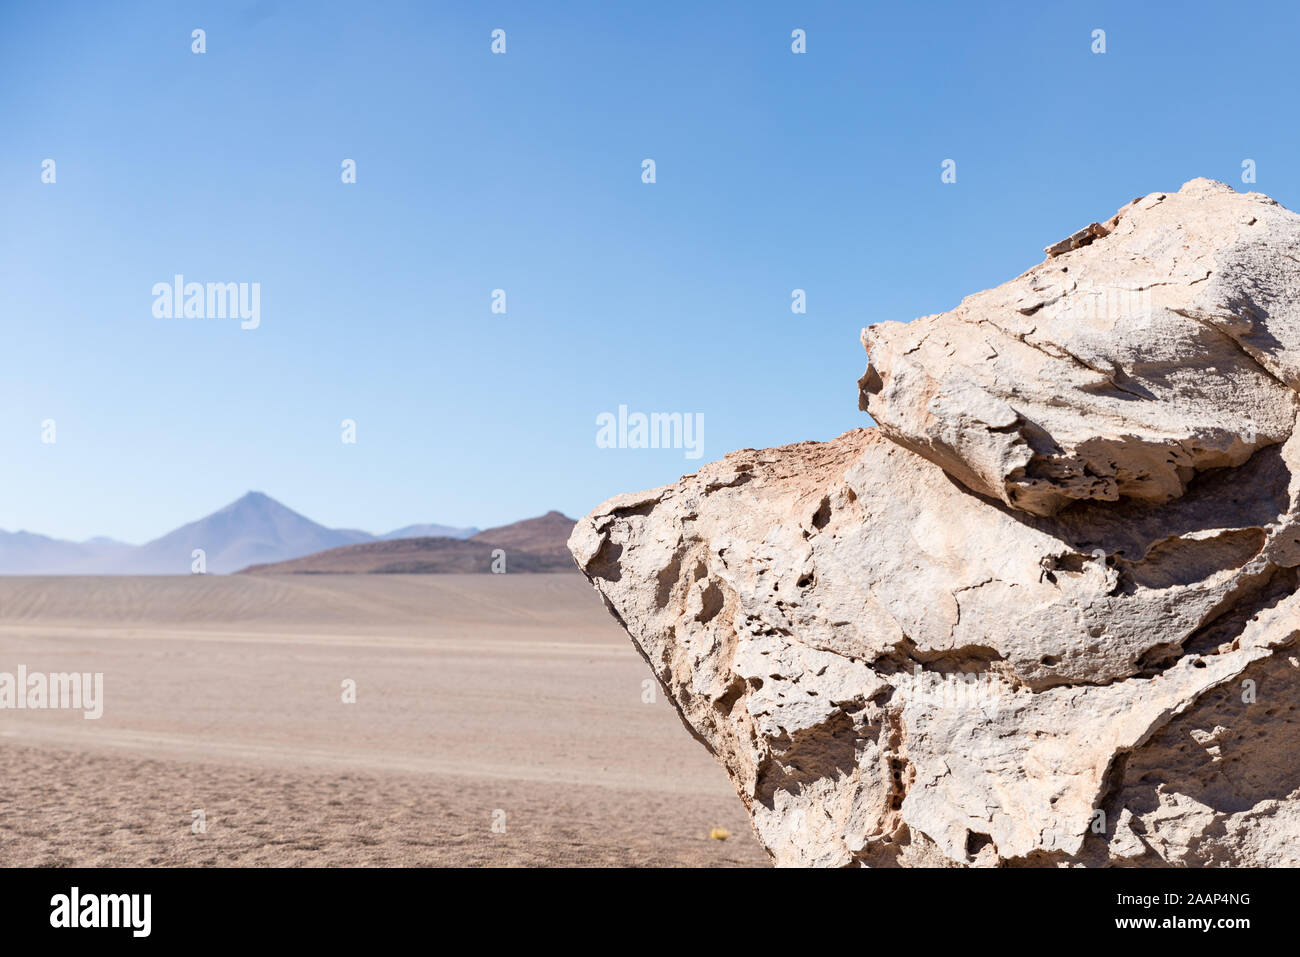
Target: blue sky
{"type": "Point", "coordinates": [522, 172]}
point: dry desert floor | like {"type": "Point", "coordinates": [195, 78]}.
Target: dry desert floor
{"type": "Point", "coordinates": [479, 699]}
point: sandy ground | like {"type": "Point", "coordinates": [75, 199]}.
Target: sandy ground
{"type": "Point", "coordinates": [475, 694]}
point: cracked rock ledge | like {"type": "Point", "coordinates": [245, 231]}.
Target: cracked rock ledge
{"type": "Point", "coordinates": [1045, 613]}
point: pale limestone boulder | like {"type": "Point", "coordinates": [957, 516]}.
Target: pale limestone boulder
{"type": "Point", "coordinates": [1044, 614]}
{"type": "Point", "coordinates": [1119, 369]}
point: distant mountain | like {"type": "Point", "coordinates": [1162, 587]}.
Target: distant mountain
{"type": "Point", "coordinates": [429, 531]}
{"type": "Point", "coordinates": [252, 529]}
{"type": "Point", "coordinates": [534, 545]}
{"type": "Point", "coordinates": [24, 553]}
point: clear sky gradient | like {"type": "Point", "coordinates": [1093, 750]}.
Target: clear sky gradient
{"type": "Point", "coordinates": [522, 171]}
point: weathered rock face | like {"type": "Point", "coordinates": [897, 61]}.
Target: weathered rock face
{"type": "Point", "coordinates": [1047, 612]}
{"type": "Point", "coordinates": [1167, 347]}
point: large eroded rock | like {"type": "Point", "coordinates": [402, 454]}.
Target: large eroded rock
{"type": "Point", "coordinates": [1045, 613]}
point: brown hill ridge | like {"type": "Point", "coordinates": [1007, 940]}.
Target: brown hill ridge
{"type": "Point", "coordinates": [530, 546]}
{"type": "Point", "coordinates": [545, 535]}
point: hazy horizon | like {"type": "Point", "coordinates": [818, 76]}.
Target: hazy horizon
{"type": "Point", "coordinates": [257, 530]}
{"type": "Point", "coordinates": [378, 533]}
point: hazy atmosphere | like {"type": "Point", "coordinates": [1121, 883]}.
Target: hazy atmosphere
{"type": "Point", "coordinates": [522, 172]}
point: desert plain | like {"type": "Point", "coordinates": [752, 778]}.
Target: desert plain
{"type": "Point", "coordinates": [509, 700]}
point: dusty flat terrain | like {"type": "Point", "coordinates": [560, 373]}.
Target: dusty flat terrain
{"type": "Point", "coordinates": [474, 694]}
